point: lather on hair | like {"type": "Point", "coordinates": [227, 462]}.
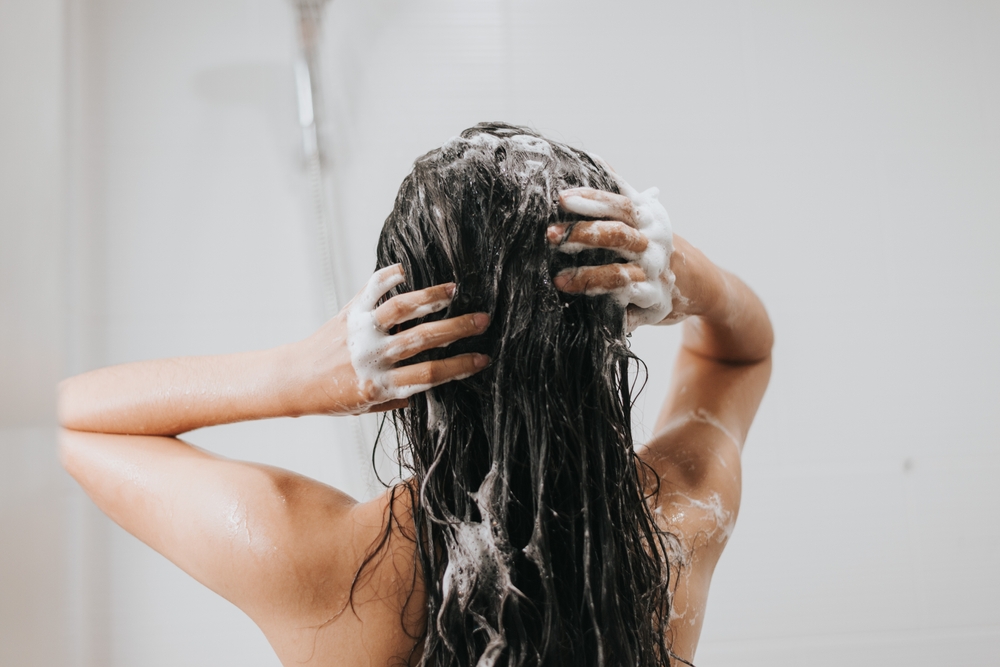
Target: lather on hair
{"type": "Point", "coordinates": [534, 540]}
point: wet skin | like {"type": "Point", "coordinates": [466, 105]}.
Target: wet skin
{"type": "Point", "coordinates": [285, 548]}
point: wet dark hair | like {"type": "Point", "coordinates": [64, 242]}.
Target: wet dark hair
{"type": "Point", "coordinates": [533, 535]}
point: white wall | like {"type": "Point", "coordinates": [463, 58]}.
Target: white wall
{"type": "Point", "coordinates": [842, 157]}
{"type": "Point", "coordinates": [206, 248]}
{"type": "Point", "coordinates": [35, 500]}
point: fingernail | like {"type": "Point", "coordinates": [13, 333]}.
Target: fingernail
{"type": "Point", "coordinates": [554, 233]}
{"type": "Point", "coordinates": [481, 360]}
{"type": "Point", "coordinates": [481, 320]}
{"type": "Point", "coordinates": [561, 280]}
{"type": "Point", "coordinates": [450, 289]}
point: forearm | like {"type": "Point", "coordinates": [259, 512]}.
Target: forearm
{"type": "Point", "coordinates": [317, 375]}
{"type": "Point", "coordinates": [172, 396]}
{"type": "Point", "coordinates": [729, 321]}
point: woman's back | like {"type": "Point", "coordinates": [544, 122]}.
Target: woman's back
{"type": "Point", "coordinates": [530, 531]}
{"type": "Point", "coordinates": [314, 612]}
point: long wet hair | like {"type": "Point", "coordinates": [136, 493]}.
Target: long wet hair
{"type": "Point", "coordinates": [533, 535]}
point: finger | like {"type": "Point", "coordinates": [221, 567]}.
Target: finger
{"type": "Point", "coordinates": [599, 204]}
{"type": "Point", "coordinates": [609, 234]}
{"type": "Point", "coordinates": [381, 282]}
{"type": "Point", "coordinates": [434, 334]}
{"type": "Point", "coordinates": [556, 234]}
{"type": "Point", "coordinates": [411, 305]}
{"type": "Point", "coordinates": [593, 280]}
{"type": "Point", "coordinates": [414, 379]}
{"type": "Point", "coordinates": [397, 404]}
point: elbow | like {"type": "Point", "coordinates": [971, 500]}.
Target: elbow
{"type": "Point", "coordinates": [761, 331]}
{"type": "Point", "coordinates": [76, 408]}
{"type": "Point", "coordinates": [756, 327]}
{"type": "Point", "coordinates": [66, 408]}
{"type": "Point", "coordinates": [70, 454]}
{"type": "Point", "coordinates": [80, 454]}
{"type": "Point", "coordinates": [758, 353]}
{"type": "Point", "coordinates": [767, 346]}
{"type": "Point", "coordinates": [768, 335]}
{"type": "Point", "coordinates": [62, 408]}
{"type": "Point", "coordinates": [762, 339]}
{"type": "Point", "coordinates": [75, 434]}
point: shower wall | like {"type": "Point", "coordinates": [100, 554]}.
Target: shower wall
{"type": "Point", "coordinates": [840, 157]}
{"type": "Point", "coordinates": [206, 246]}
{"type": "Point", "coordinates": [843, 158]}
{"type": "Point", "coordinates": [36, 501]}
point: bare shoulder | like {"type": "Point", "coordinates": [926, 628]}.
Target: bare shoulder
{"type": "Point", "coordinates": [358, 596]}
{"type": "Point", "coordinates": [286, 549]}
{"type": "Point", "coordinates": [242, 529]}
{"type": "Point", "coordinates": [696, 489]}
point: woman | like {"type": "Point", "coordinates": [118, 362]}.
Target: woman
{"type": "Point", "coordinates": [531, 531]}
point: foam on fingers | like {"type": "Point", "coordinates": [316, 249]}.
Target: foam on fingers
{"type": "Point", "coordinates": [434, 334]}
{"type": "Point", "coordinates": [611, 234]}
{"type": "Point", "coordinates": [367, 342]}
{"type": "Point", "coordinates": [414, 305]}
{"type": "Point", "coordinates": [370, 346]}
{"type": "Point", "coordinates": [428, 374]}
{"type": "Point", "coordinates": [648, 298]}
{"type": "Point", "coordinates": [598, 204]}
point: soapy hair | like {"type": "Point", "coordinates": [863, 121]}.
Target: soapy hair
{"type": "Point", "coordinates": [535, 542]}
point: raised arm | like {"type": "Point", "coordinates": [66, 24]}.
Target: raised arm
{"type": "Point", "coordinates": [282, 547]}
{"type": "Point", "coordinates": [718, 381]}
{"type": "Point", "coordinates": [347, 367]}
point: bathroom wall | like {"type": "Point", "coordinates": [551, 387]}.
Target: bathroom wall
{"type": "Point", "coordinates": [35, 499]}
{"type": "Point", "coordinates": [199, 202]}
{"type": "Point", "coordinates": [841, 157]}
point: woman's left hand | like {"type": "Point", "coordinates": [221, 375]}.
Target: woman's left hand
{"type": "Point", "coordinates": [635, 226]}
{"type": "Point", "coordinates": [353, 359]}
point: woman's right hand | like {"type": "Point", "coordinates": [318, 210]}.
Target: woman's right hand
{"type": "Point", "coordinates": [664, 279]}
{"type": "Point", "coordinates": [352, 362]}
{"type": "Point", "coordinates": [349, 366]}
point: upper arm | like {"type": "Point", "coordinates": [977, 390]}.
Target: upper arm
{"type": "Point", "coordinates": [256, 535]}
{"type": "Point", "coordinates": [695, 453]}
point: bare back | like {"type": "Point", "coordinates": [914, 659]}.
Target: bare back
{"type": "Point", "coordinates": [287, 549]}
